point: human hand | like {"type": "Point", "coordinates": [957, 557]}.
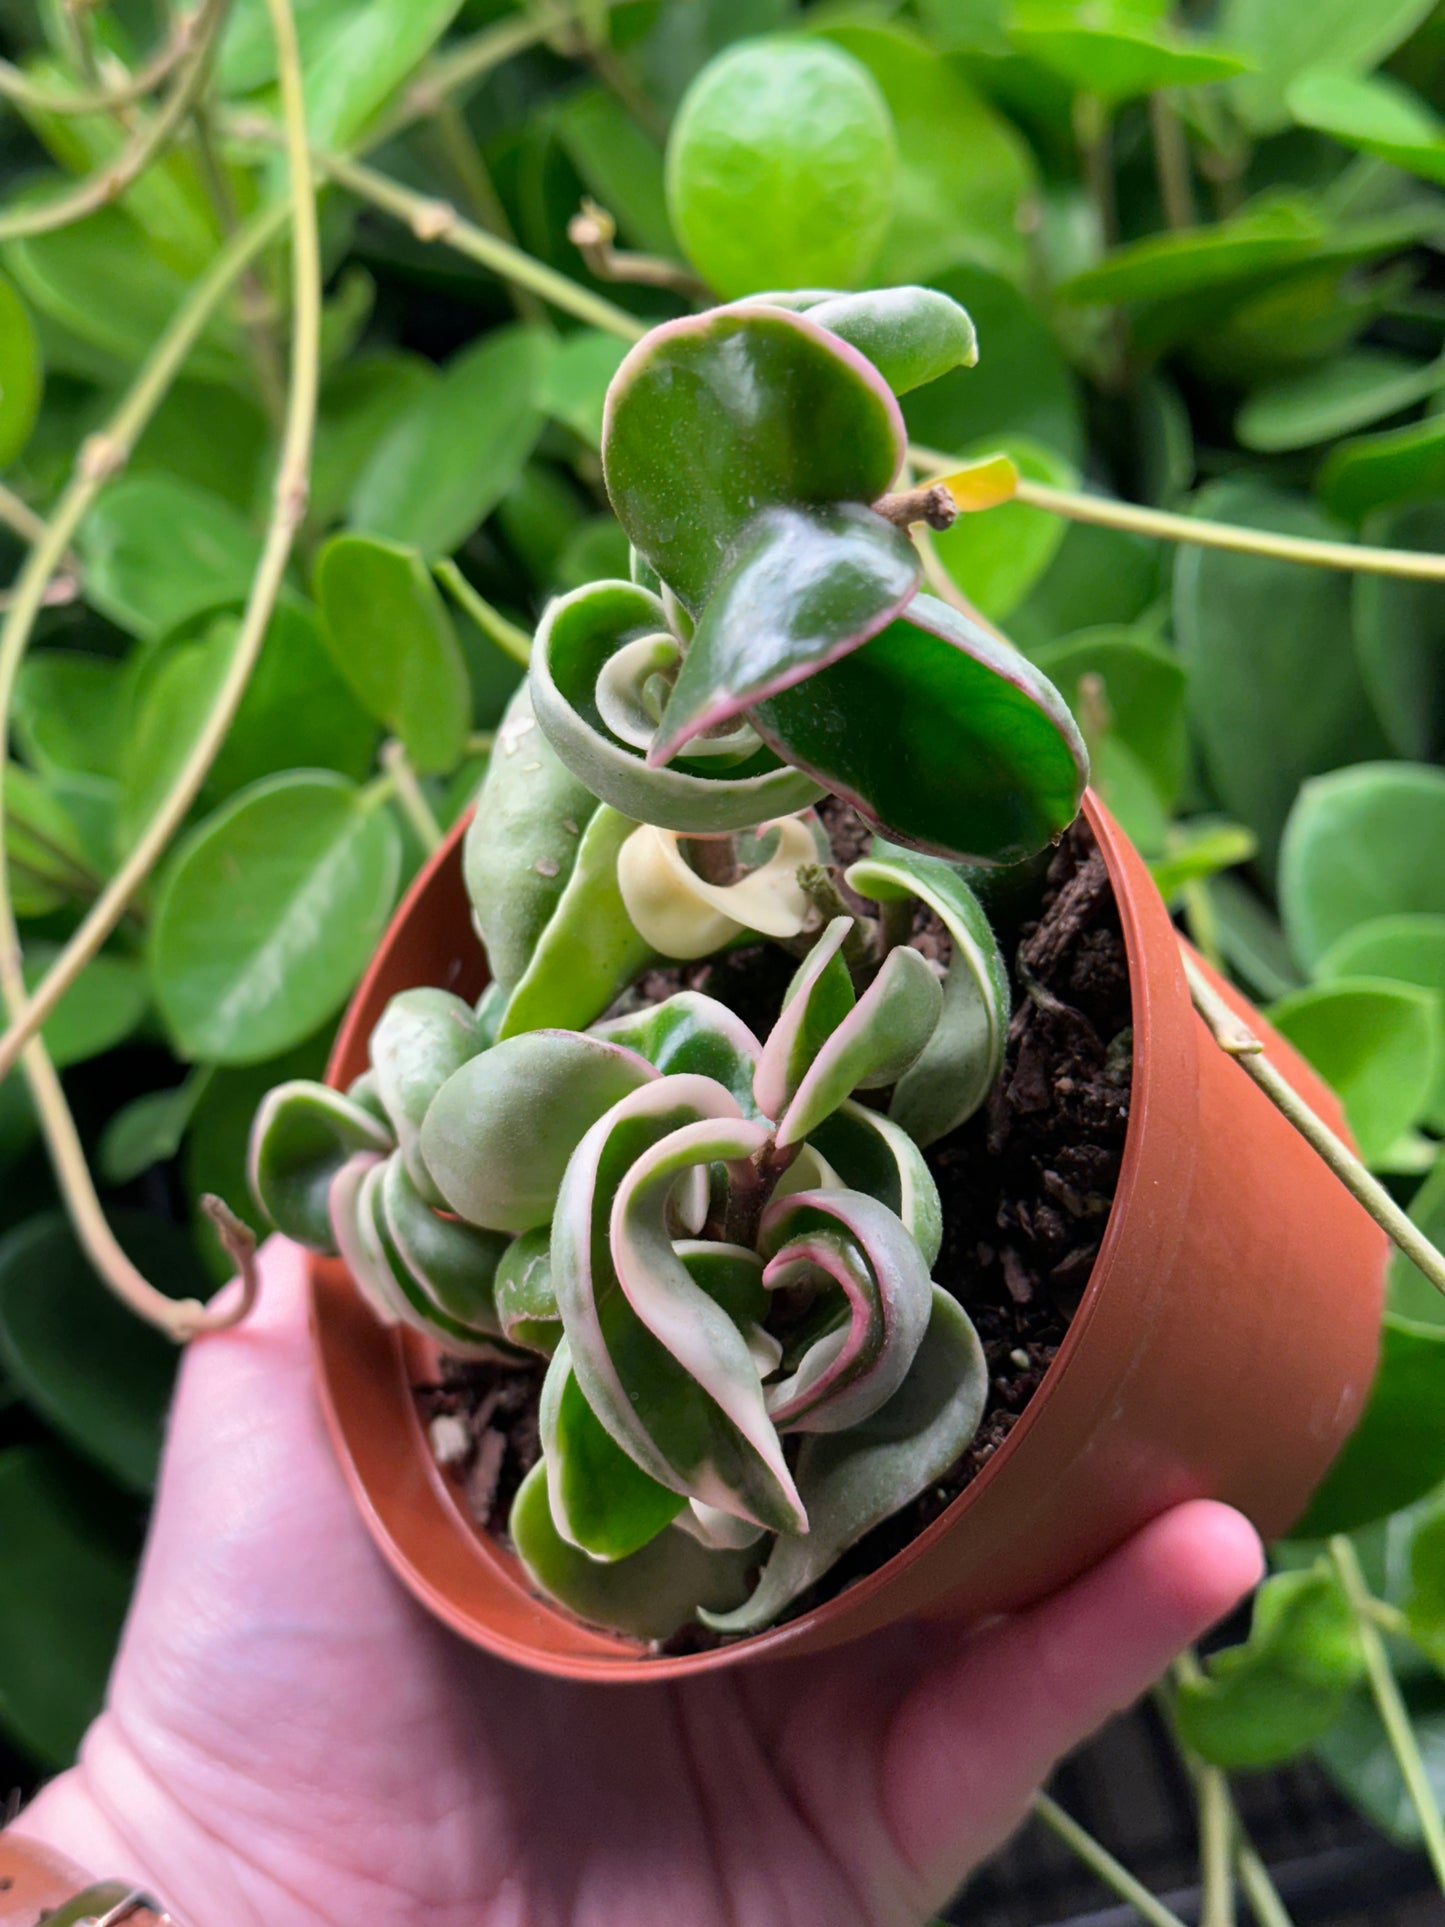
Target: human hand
{"type": "Point", "coordinates": [290, 1738]}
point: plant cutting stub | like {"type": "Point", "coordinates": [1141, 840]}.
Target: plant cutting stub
{"type": "Point", "coordinates": [720, 1239]}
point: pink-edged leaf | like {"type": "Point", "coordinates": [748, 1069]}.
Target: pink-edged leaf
{"type": "Point", "coordinates": [850, 1240]}
{"type": "Point", "coordinates": [444, 1271]}
{"type": "Point", "coordinates": [866, 1151]}
{"type": "Point", "coordinates": [819, 997]}
{"type": "Point", "coordinates": [873, 1046]}
{"type": "Point", "coordinates": [353, 1230]}
{"type": "Point", "coordinates": [302, 1135]}
{"type": "Point", "coordinates": [691, 1032]}
{"type": "Point", "coordinates": [422, 1036]}
{"type": "Point", "coordinates": [602, 1501]}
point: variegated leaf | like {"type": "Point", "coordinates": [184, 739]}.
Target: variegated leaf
{"type": "Point", "coordinates": [691, 1032]}
{"type": "Point", "coordinates": [682, 915]}
{"type": "Point", "coordinates": [302, 1135]}
{"type": "Point", "coordinates": [602, 1501]}
{"type": "Point", "coordinates": [819, 997]}
{"type": "Point", "coordinates": [866, 1151]}
{"type": "Point", "coordinates": [422, 1036]}
{"type": "Point", "coordinates": [445, 1271]}
{"type": "Point", "coordinates": [873, 1045]}
{"type": "Point", "coordinates": [526, 1303]}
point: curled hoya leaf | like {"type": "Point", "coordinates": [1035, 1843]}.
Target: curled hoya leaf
{"type": "Point", "coordinates": [995, 766]}
{"type": "Point", "coordinates": [444, 1271]}
{"type": "Point", "coordinates": [911, 335]}
{"type": "Point", "coordinates": [648, 1595]}
{"type": "Point", "coordinates": [682, 915]}
{"type": "Point", "coordinates": [355, 1237]}
{"type": "Point", "coordinates": [527, 1308]}
{"type": "Point", "coordinates": [499, 1132]}
{"type": "Point", "coordinates": [302, 1136]}
{"type": "Point", "coordinates": [857, 1244]}
{"type": "Point", "coordinates": [851, 1481]}
{"type": "Point", "coordinates": [661, 1362]}
{"type": "Point", "coordinates": [817, 1000]}
{"type": "Point", "coordinates": [422, 1036]}
{"type": "Point", "coordinates": [873, 1045]}
{"type": "Point", "coordinates": [589, 949]}
{"type": "Point", "coordinates": [800, 588]}
{"type": "Point", "coordinates": [599, 655]}
{"type": "Point", "coordinates": [523, 840]}
{"type": "Point", "coordinates": [691, 1032]}
{"type": "Point", "coordinates": [602, 1501]}
{"type": "Point", "coordinates": [867, 1151]}
{"type": "Point", "coordinates": [719, 1531]}
{"type": "Point", "coordinates": [961, 1061]}
{"type": "Point", "coordinates": [714, 417]}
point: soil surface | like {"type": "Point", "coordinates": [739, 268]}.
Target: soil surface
{"type": "Point", "coordinates": [1026, 1186]}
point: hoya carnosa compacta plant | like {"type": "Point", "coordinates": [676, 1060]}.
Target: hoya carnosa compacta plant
{"type": "Point", "coordinates": [721, 1243]}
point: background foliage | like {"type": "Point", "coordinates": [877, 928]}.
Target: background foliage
{"type": "Point", "coordinates": [1202, 254]}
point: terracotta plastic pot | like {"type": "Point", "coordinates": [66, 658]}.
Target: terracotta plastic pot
{"type": "Point", "coordinates": [1224, 1347]}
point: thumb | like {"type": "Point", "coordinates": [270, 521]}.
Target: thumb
{"type": "Point", "coordinates": [976, 1737]}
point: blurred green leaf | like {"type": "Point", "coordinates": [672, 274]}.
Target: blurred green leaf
{"type": "Point", "coordinates": [575, 384]}
{"type": "Point", "coordinates": [1397, 1452]}
{"type": "Point", "coordinates": [64, 1586]}
{"type": "Point", "coordinates": [1358, 1757]}
{"type": "Point", "coordinates": [1376, 1043]}
{"type": "Point", "coordinates": [1362, 843]}
{"type": "Point", "coordinates": [1376, 471]}
{"type": "Point", "coordinates": [1376, 115]}
{"type": "Point", "coordinates": [1284, 39]}
{"type": "Point", "coordinates": [1250, 937]}
{"type": "Point", "coordinates": [71, 712]}
{"type": "Point", "coordinates": [21, 376]}
{"type": "Point", "coordinates": [389, 634]}
{"type": "Point", "coordinates": [49, 861]}
{"type": "Point", "coordinates": [216, 438]}
{"type": "Point", "coordinates": [1424, 1605]}
{"type": "Point", "coordinates": [1411, 1293]}
{"type": "Point", "coordinates": [1117, 62]}
{"type": "Point", "coordinates": [1400, 636]}
{"type": "Point", "coordinates": [621, 165]}
{"type": "Point", "coordinates": [1335, 399]}
{"type": "Point", "coordinates": [455, 450]}
{"type": "Point", "coordinates": [157, 551]}
{"type": "Point", "coordinates": [1099, 578]}
{"type": "Point", "coordinates": [997, 555]}
{"type": "Point", "coordinates": [359, 405]}
{"type": "Point", "coordinates": [1274, 691]}
{"type": "Point", "coordinates": [1196, 852]}
{"type": "Point", "coordinates": [81, 1359]}
{"type": "Point", "coordinates": [268, 912]}
{"type": "Point", "coordinates": [1406, 949]}
{"type": "Point", "coordinates": [100, 1009]}
{"type": "Point", "coordinates": [149, 1130]}
{"type": "Point", "coordinates": [1269, 236]}
{"type": "Point", "coordinates": [1140, 683]}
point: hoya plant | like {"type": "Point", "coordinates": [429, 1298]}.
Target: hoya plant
{"type": "Point", "coordinates": [722, 1244]}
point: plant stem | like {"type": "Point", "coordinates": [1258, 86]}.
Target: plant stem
{"type": "Point", "coordinates": [18, 516]}
{"type": "Point", "coordinates": [1391, 1706]}
{"type": "Point", "coordinates": [108, 183]}
{"type": "Point", "coordinates": [29, 94]}
{"type": "Point", "coordinates": [1254, 1878]}
{"type": "Point", "coordinates": [1092, 135]}
{"type": "Point", "coordinates": [290, 504]}
{"type": "Point", "coordinates": [1216, 1851]}
{"type": "Point", "coordinates": [468, 169]}
{"type": "Point", "coordinates": [410, 795]}
{"type": "Point", "coordinates": [1233, 1036]}
{"type": "Point", "coordinates": [1102, 1864]}
{"type": "Point", "coordinates": [254, 300]}
{"type": "Point", "coordinates": [593, 232]}
{"type": "Point", "coordinates": [511, 640]}
{"type": "Point", "coordinates": [1171, 162]}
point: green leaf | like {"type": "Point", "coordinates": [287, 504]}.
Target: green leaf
{"type": "Point", "coordinates": [1262, 1703]}
{"type": "Point", "coordinates": [995, 766]}
{"type": "Point", "coordinates": [359, 405]}
{"type": "Point", "coordinates": [964, 173]}
{"type": "Point", "coordinates": [648, 1595]}
{"type": "Point", "coordinates": [1407, 950]}
{"type": "Point", "coordinates": [458, 447]}
{"type": "Point", "coordinates": [523, 840]}
{"type": "Point", "coordinates": [1099, 578]}
{"type": "Point", "coordinates": [780, 168]}
{"type": "Point", "coordinates": [1411, 1294]}
{"type": "Point", "coordinates": [1250, 937]}
{"type": "Point", "coordinates": [872, 1046]}
{"type": "Point", "coordinates": [100, 1010]}
{"type": "Point", "coordinates": [390, 636]}
{"type": "Point", "coordinates": [42, 844]}
{"type": "Point", "coordinates": [420, 1039]}
{"type": "Point", "coordinates": [574, 387]}
{"type": "Point", "coordinates": [1400, 637]}
{"type": "Point", "coordinates": [689, 1033]}
{"type": "Point", "coordinates": [1334, 399]}
{"type": "Point", "coordinates": [868, 1152]}
{"type": "Point", "coordinates": [527, 1308]}
{"type": "Point", "coordinates": [1022, 388]}
{"type": "Point", "coordinates": [1424, 1605]}
{"type": "Point", "coordinates": [1377, 1044]}
{"type": "Point", "coordinates": [958, 1065]}
{"type": "Point", "coordinates": [1377, 115]}
{"type": "Point", "coordinates": [500, 1131]}
{"type": "Point", "coordinates": [65, 1584]}
{"type": "Point", "coordinates": [80, 1358]}
{"type": "Point", "coordinates": [150, 1129]}
{"type": "Point", "coordinates": [1117, 62]}
{"type": "Point", "coordinates": [1140, 684]}
{"type": "Point", "coordinates": [1396, 1454]}
{"type": "Point", "coordinates": [267, 914]}
{"type": "Point", "coordinates": [1362, 843]}
{"type": "Point", "coordinates": [21, 376]}
{"type": "Point", "coordinates": [71, 713]}
{"type": "Point", "coordinates": [213, 437]}
{"type": "Point", "coordinates": [157, 551]}
{"type": "Point", "coordinates": [911, 335]}
{"type": "Point", "coordinates": [444, 1271]}
{"type": "Point", "coordinates": [996, 557]}
{"type": "Point", "coordinates": [852, 1481]}
{"type": "Point", "coordinates": [1274, 692]}
{"type": "Point", "coordinates": [1273, 235]}
{"type": "Point", "coordinates": [1197, 851]}
{"type": "Point", "coordinates": [801, 588]}
{"type": "Point", "coordinates": [788, 414]}
{"type": "Point", "coordinates": [1377, 471]}
{"type": "Point", "coordinates": [818, 999]}
{"type": "Point", "coordinates": [620, 164]}
{"type": "Point", "coordinates": [601, 1501]}
{"type": "Point", "coordinates": [1285, 39]}
{"type": "Point", "coordinates": [302, 1135]}
{"type": "Point", "coordinates": [1359, 1758]}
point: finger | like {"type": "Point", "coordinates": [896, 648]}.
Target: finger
{"type": "Point", "coordinates": [977, 1736]}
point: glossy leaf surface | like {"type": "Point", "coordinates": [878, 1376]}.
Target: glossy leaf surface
{"type": "Point", "coordinates": [302, 1135]}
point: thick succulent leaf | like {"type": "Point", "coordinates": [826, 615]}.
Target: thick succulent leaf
{"type": "Point", "coordinates": [818, 999]}
{"type": "Point", "coordinates": [852, 1481]}
{"type": "Point", "coordinates": [523, 840]}
{"type": "Point", "coordinates": [911, 335]}
{"type": "Point", "coordinates": [996, 766]}
{"type": "Point", "coordinates": [691, 1032]}
{"type": "Point", "coordinates": [682, 915]}
{"type": "Point", "coordinates": [580, 634]}
{"type": "Point", "coordinates": [857, 1243]}
{"type": "Point", "coordinates": [445, 1272]}
{"type": "Point", "coordinates": [602, 1501]}
{"type": "Point", "coordinates": [800, 588]}
{"type": "Point", "coordinates": [302, 1136]}
{"type": "Point", "coordinates": [873, 1046]}
{"type": "Point", "coordinates": [1263, 1702]}
{"type": "Point", "coordinates": [649, 1595]}
{"type": "Point", "coordinates": [629, 1356]}
{"type": "Point", "coordinates": [356, 1239]}
{"type": "Point", "coordinates": [866, 1151]}
{"type": "Point", "coordinates": [499, 1132]}
{"type": "Point", "coordinates": [589, 950]}
{"type": "Point", "coordinates": [963, 1057]}
{"type": "Point", "coordinates": [527, 1309]}
{"type": "Point", "coordinates": [423, 1035]}
{"type": "Point", "coordinates": [716, 416]}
